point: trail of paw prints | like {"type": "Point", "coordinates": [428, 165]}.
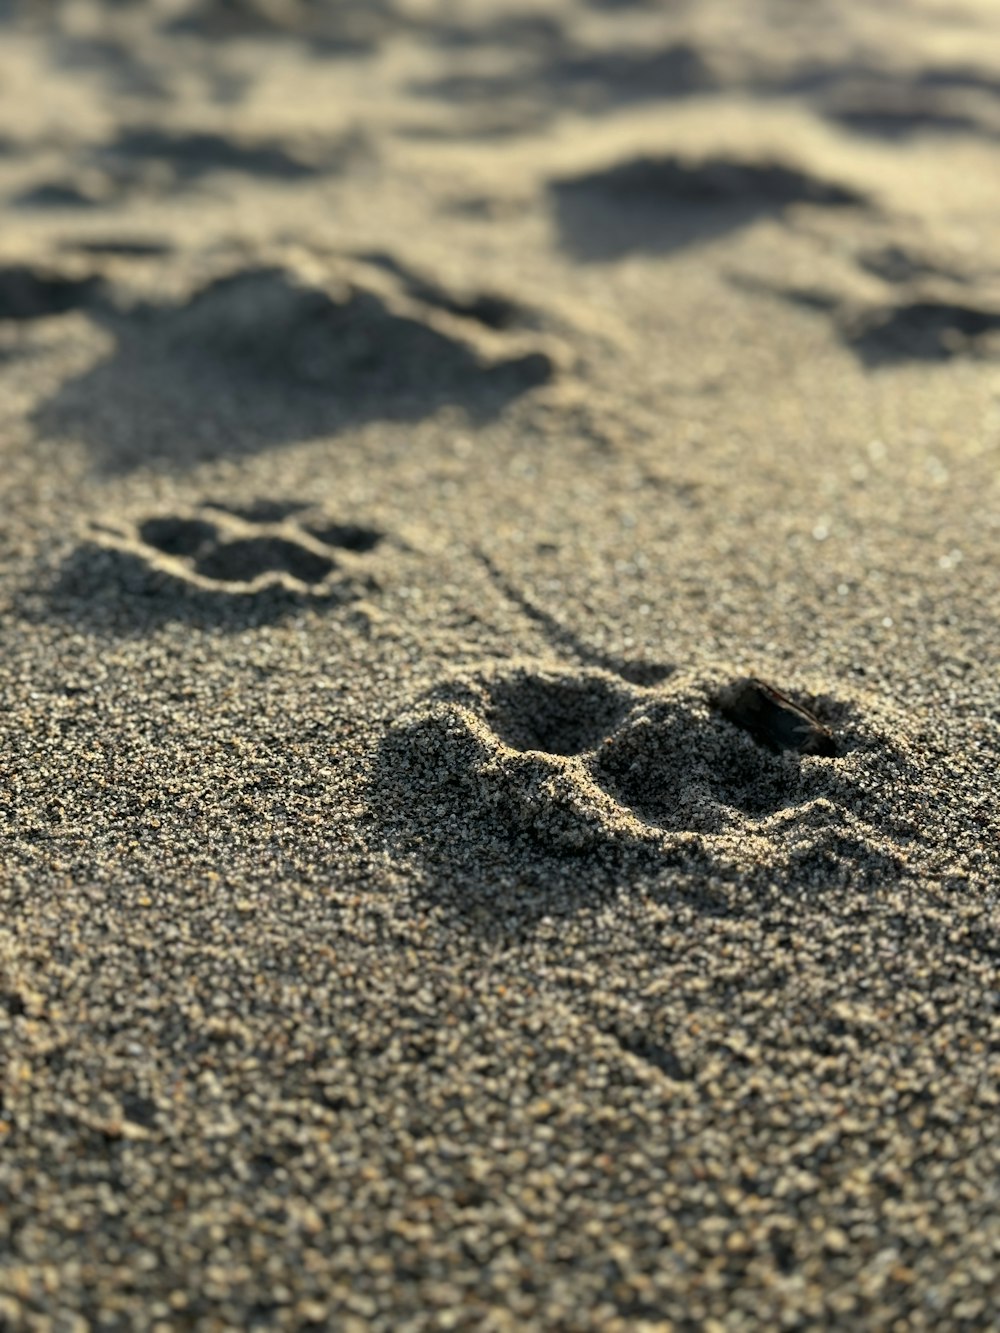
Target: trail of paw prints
{"type": "Point", "coordinates": [220, 562]}
{"type": "Point", "coordinates": [549, 779]}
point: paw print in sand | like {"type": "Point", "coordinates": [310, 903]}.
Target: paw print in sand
{"type": "Point", "coordinates": [222, 559]}
{"type": "Point", "coordinates": [581, 761]}
{"type": "Point", "coordinates": [243, 551]}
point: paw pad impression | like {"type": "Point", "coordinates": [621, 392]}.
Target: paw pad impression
{"type": "Point", "coordinates": [576, 759]}
{"type": "Point", "coordinates": [247, 550]}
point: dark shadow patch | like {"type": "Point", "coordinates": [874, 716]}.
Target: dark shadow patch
{"type": "Point", "coordinates": [864, 99]}
{"type": "Point", "coordinates": [120, 247]}
{"type": "Point", "coordinates": [117, 62]}
{"type": "Point", "coordinates": [952, 77]}
{"type": "Point", "coordinates": [490, 309]}
{"type": "Point", "coordinates": [346, 536]}
{"type": "Point", "coordinates": [193, 155]}
{"type": "Point", "coordinates": [561, 715]}
{"type": "Point", "coordinates": [349, 27]}
{"type": "Point", "coordinates": [13, 1004]}
{"type": "Point", "coordinates": [486, 308]}
{"type": "Point", "coordinates": [139, 1110]}
{"type": "Point", "coordinates": [948, 100]}
{"type": "Point", "coordinates": [260, 511]}
{"type": "Point", "coordinates": [842, 861]}
{"type": "Point", "coordinates": [495, 312]}
{"type": "Point", "coordinates": [493, 123]}
{"type": "Point", "coordinates": [123, 592]}
{"type": "Point", "coordinates": [646, 674]}
{"type": "Point", "coordinates": [249, 558]}
{"type": "Point", "coordinates": [67, 193]}
{"type": "Point", "coordinates": [659, 1055]}
{"type": "Point", "coordinates": [151, 160]}
{"type": "Point", "coordinates": [222, 20]}
{"type": "Point", "coordinates": [14, 352]}
{"type": "Point", "coordinates": [531, 33]}
{"type": "Point", "coordinates": [256, 359]}
{"type": "Point", "coordinates": [555, 73]}
{"type": "Point", "coordinates": [922, 331]}
{"type": "Point", "coordinates": [808, 298]}
{"type": "Point", "coordinates": [31, 293]}
{"type": "Point", "coordinates": [902, 122]}
{"type": "Point", "coordinates": [664, 204]}
{"type": "Point", "coordinates": [898, 265]}
{"type": "Point", "coordinates": [560, 75]}
{"type": "Point", "coordinates": [178, 536]}
{"type": "Point", "coordinates": [596, 79]}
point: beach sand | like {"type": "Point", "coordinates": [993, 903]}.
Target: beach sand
{"type": "Point", "coordinates": [412, 416]}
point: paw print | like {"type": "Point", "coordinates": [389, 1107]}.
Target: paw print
{"type": "Point", "coordinates": [580, 761]}
{"type": "Point", "coordinates": [227, 556]}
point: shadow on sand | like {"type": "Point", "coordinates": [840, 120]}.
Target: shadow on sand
{"type": "Point", "coordinates": [256, 359]}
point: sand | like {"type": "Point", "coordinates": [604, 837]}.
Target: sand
{"type": "Point", "coordinates": [413, 416]}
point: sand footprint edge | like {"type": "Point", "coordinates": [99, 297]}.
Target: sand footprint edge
{"type": "Point", "coordinates": [576, 760]}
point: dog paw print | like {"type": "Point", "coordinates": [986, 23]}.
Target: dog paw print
{"type": "Point", "coordinates": [244, 552]}
{"type": "Point", "coordinates": [274, 355]}
{"type": "Point", "coordinates": [582, 761]}
{"type": "Point", "coordinates": [238, 559]}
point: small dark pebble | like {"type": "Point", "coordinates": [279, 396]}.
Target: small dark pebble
{"type": "Point", "coordinates": [772, 718]}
